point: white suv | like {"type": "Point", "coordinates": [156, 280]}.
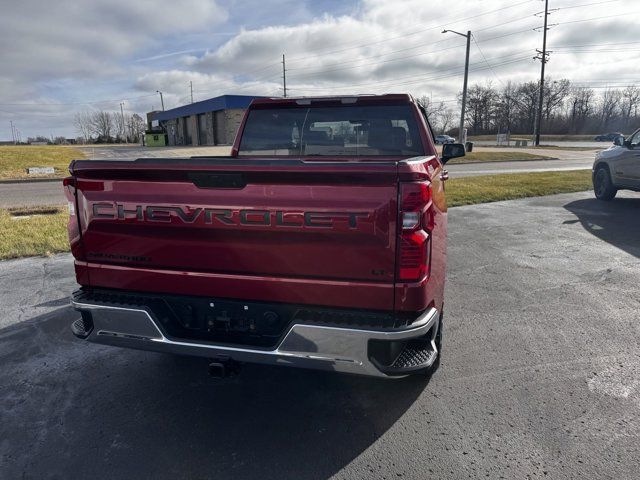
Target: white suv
{"type": "Point", "coordinates": [617, 168]}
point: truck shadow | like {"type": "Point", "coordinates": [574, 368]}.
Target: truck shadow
{"type": "Point", "coordinates": [616, 222]}
{"type": "Point", "coordinates": [78, 410]}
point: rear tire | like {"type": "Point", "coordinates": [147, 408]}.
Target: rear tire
{"type": "Point", "coordinates": [602, 185]}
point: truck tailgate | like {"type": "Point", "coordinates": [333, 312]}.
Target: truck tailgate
{"type": "Point", "coordinates": [321, 233]}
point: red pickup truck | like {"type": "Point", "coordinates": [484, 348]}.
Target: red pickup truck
{"type": "Point", "coordinates": [319, 243]}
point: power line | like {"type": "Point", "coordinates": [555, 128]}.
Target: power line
{"type": "Point", "coordinates": [432, 43]}
{"type": "Point", "coordinates": [350, 62]}
{"type": "Point", "coordinates": [616, 87]}
{"type": "Point", "coordinates": [455, 71]}
{"type": "Point", "coordinates": [595, 45]}
{"type": "Point", "coordinates": [606, 50]}
{"type": "Point", "coordinates": [486, 61]}
{"type": "Point", "coordinates": [401, 58]}
{"type": "Point", "coordinates": [452, 22]}
{"type": "Point", "coordinates": [416, 46]}
{"type": "Point", "coordinates": [425, 53]}
{"type": "Point", "coordinates": [628, 14]}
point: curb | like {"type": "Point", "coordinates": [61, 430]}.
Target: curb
{"type": "Point", "coordinates": [32, 180]}
{"type": "Point", "coordinates": [506, 161]}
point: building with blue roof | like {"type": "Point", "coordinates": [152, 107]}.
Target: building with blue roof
{"type": "Point", "coordinates": [214, 121]}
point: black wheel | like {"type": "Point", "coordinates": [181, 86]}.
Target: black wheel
{"type": "Point", "coordinates": [602, 185]}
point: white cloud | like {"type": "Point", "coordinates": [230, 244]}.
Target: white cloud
{"type": "Point", "coordinates": [67, 51]}
{"type": "Point", "coordinates": [381, 50]}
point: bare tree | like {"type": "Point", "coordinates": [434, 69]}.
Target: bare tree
{"type": "Point", "coordinates": [566, 109]}
{"type": "Point", "coordinates": [481, 102]}
{"type": "Point", "coordinates": [83, 124]}
{"type": "Point", "coordinates": [506, 108]}
{"type": "Point", "coordinates": [630, 103]}
{"type": "Point", "coordinates": [432, 109]}
{"type": "Point", "coordinates": [555, 94]}
{"type": "Point", "coordinates": [137, 127]}
{"type": "Point", "coordinates": [102, 125]}
{"type": "Point", "coordinates": [446, 119]}
{"type": "Point", "coordinates": [581, 108]}
{"type": "Point", "coordinates": [608, 106]}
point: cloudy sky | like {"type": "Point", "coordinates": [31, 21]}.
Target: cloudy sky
{"type": "Point", "coordinates": [66, 56]}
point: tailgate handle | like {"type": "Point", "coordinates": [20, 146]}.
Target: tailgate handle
{"type": "Point", "coordinates": [217, 180]}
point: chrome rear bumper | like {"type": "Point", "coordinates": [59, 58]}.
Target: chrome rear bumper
{"type": "Point", "coordinates": [308, 346]}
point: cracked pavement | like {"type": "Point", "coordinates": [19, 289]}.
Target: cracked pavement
{"type": "Point", "coordinates": [539, 378]}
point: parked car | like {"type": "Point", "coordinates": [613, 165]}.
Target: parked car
{"type": "Point", "coordinates": [321, 249]}
{"type": "Point", "coordinates": [442, 139]}
{"type": "Point", "coordinates": [617, 168]}
{"type": "Point", "coordinates": [608, 137]}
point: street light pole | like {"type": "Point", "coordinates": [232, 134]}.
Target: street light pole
{"type": "Point", "coordinates": [161, 99]}
{"type": "Point", "coordinates": [466, 79]}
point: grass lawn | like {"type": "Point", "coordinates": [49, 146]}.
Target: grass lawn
{"type": "Point", "coordinates": [509, 186]}
{"type": "Point", "coordinates": [479, 156]}
{"type": "Point", "coordinates": [27, 232]}
{"type": "Point", "coordinates": [576, 149]}
{"type": "Point", "coordinates": [14, 160]}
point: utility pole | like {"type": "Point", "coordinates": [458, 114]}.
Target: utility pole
{"type": "Point", "coordinates": [191, 85]}
{"type": "Point", "coordinates": [13, 134]}
{"type": "Point", "coordinates": [161, 99]}
{"type": "Point", "coordinates": [284, 77]}
{"type": "Point", "coordinates": [461, 135]}
{"type": "Point", "coordinates": [543, 57]}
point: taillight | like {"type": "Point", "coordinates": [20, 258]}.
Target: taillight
{"type": "Point", "coordinates": [415, 240]}
{"type": "Point", "coordinates": [69, 184]}
{"type": "Point", "coordinates": [73, 226]}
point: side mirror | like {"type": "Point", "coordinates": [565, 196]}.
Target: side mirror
{"type": "Point", "coordinates": [619, 141]}
{"type": "Point", "coordinates": [452, 150]}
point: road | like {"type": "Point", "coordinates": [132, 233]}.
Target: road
{"type": "Point", "coordinates": [554, 143]}
{"type": "Point", "coordinates": [539, 376]}
{"type": "Point", "coordinates": [116, 151]}
{"type": "Point", "coordinates": [492, 168]}
{"type": "Point", "coordinates": [564, 160]}
{"type": "Point", "coordinates": [50, 193]}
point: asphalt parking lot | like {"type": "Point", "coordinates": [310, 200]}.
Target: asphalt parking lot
{"type": "Point", "coordinates": [540, 375]}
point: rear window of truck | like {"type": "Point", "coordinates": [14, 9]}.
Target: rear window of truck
{"type": "Point", "coordinates": [332, 131]}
